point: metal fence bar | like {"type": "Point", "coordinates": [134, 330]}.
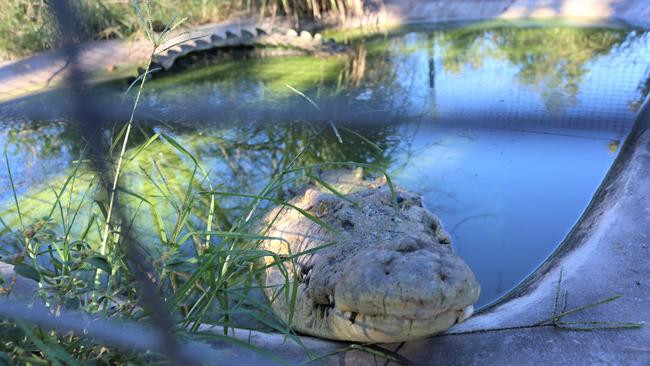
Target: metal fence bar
{"type": "Point", "coordinates": [88, 121]}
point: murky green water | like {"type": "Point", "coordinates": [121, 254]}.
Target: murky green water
{"type": "Point", "coordinates": [506, 131]}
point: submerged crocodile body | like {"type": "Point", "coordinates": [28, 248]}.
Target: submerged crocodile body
{"type": "Point", "coordinates": [258, 35]}
{"type": "Point", "coordinates": [388, 275]}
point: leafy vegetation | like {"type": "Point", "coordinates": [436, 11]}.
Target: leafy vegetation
{"type": "Point", "coordinates": [552, 61]}
{"type": "Point", "coordinates": [87, 238]}
{"type": "Point", "coordinates": [190, 204]}
{"type": "Point", "coordinates": [552, 57]}
{"type": "Point", "coordinates": [26, 26]}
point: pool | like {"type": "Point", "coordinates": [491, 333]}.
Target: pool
{"type": "Point", "coordinates": [506, 129]}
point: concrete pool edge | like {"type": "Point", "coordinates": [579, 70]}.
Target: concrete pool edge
{"type": "Point", "coordinates": [397, 12]}
{"type": "Point", "coordinates": [606, 253]}
{"type": "Point", "coordinates": [604, 197]}
{"type": "Point", "coordinates": [596, 215]}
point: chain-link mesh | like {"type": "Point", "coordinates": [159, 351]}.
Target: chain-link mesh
{"type": "Point", "coordinates": [609, 104]}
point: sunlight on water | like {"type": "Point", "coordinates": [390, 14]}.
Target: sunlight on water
{"type": "Point", "coordinates": [506, 131]}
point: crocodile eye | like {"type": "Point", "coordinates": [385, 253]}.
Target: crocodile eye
{"type": "Point", "coordinates": [347, 224]}
{"type": "Point", "coordinates": [303, 275]}
{"type": "Point", "coordinates": [322, 208]}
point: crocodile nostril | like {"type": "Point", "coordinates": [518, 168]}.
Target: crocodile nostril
{"type": "Point", "coordinates": [347, 224]}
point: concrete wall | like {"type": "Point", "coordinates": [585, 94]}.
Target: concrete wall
{"type": "Point", "coordinates": [608, 251]}
{"type": "Point", "coordinates": [635, 12]}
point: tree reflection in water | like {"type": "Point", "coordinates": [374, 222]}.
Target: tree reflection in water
{"type": "Point", "coordinates": [391, 100]}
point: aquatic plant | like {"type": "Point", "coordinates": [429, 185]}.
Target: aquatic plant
{"type": "Point", "coordinates": [141, 232]}
{"type": "Point", "coordinates": [27, 26]}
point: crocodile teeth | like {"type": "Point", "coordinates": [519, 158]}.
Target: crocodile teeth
{"type": "Point", "coordinates": [465, 313]}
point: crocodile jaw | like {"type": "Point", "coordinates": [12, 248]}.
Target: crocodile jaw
{"type": "Point", "coordinates": [391, 329]}
{"type": "Point", "coordinates": [406, 300]}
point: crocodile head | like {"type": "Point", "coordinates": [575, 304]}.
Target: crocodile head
{"type": "Point", "coordinates": [383, 274]}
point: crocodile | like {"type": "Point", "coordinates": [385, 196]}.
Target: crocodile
{"type": "Point", "coordinates": [251, 35]}
{"type": "Point", "coordinates": [378, 268]}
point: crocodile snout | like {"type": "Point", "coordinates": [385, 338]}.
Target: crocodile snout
{"type": "Point", "coordinates": [417, 283]}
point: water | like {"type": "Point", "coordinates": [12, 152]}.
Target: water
{"type": "Point", "coordinates": [506, 131]}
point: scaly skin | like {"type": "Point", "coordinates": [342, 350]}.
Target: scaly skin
{"type": "Point", "coordinates": [389, 276]}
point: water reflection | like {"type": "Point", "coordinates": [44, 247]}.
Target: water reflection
{"type": "Point", "coordinates": [552, 62]}
{"type": "Point", "coordinates": [506, 131]}
{"type": "Point", "coordinates": [505, 196]}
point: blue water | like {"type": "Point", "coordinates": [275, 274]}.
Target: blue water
{"type": "Point", "coordinates": [507, 132]}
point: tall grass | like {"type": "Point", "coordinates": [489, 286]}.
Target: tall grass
{"type": "Point", "coordinates": [203, 259]}
{"type": "Point", "coordinates": [202, 284]}
{"type": "Point", "coordinates": [27, 26]}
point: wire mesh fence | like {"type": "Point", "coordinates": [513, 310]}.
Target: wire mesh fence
{"type": "Point", "coordinates": [140, 302]}
{"type": "Point", "coordinates": [160, 337]}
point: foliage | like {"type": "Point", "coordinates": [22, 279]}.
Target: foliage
{"type": "Point", "coordinates": [552, 61]}
{"type": "Point", "coordinates": [26, 26]}
{"type": "Point", "coordinates": [86, 242]}
{"type": "Point", "coordinates": [191, 203]}
{"type": "Point", "coordinates": [164, 194]}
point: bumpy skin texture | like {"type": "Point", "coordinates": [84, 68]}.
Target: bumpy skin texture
{"type": "Point", "coordinates": [389, 275]}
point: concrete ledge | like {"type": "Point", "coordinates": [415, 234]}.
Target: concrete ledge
{"type": "Point", "coordinates": [634, 12]}
{"type": "Point", "coordinates": [607, 252]}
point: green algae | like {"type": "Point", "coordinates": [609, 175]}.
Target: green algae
{"type": "Point", "coordinates": [272, 74]}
